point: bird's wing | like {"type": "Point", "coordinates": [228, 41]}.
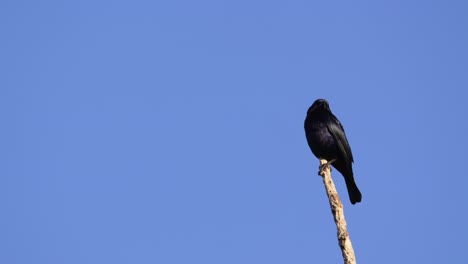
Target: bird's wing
{"type": "Point", "coordinates": [337, 130]}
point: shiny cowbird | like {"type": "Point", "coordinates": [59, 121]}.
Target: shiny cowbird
{"type": "Point", "coordinates": [327, 140]}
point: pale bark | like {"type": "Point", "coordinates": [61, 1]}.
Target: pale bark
{"type": "Point", "coordinates": [337, 210]}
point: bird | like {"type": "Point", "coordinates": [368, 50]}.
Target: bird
{"type": "Point", "coordinates": [327, 140]}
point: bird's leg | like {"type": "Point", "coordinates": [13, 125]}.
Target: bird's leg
{"type": "Point", "coordinates": [324, 166]}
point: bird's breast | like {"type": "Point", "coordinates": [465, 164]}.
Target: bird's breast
{"type": "Point", "coordinates": [321, 141]}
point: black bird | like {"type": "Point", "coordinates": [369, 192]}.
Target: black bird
{"type": "Point", "coordinates": [327, 140]}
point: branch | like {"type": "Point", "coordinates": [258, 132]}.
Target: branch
{"type": "Point", "coordinates": [337, 210]}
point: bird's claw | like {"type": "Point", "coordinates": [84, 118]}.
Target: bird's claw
{"type": "Point", "coordinates": [324, 166]}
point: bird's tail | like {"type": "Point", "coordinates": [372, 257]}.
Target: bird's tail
{"type": "Point", "coordinates": [353, 191]}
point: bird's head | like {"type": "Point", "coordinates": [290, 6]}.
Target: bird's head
{"type": "Point", "coordinates": [319, 105]}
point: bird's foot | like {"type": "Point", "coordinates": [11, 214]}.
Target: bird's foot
{"type": "Point", "coordinates": [324, 166]}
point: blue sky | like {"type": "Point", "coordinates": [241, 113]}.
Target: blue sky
{"type": "Point", "coordinates": [172, 131]}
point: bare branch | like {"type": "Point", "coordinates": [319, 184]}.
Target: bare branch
{"type": "Point", "coordinates": [338, 214]}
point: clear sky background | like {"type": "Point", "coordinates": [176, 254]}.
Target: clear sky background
{"type": "Point", "coordinates": [172, 131]}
